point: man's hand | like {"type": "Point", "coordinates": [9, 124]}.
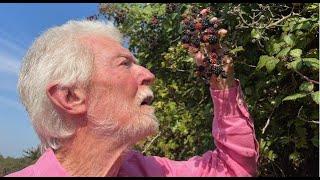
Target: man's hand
{"type": "Point", "coordinates": [227, 61]}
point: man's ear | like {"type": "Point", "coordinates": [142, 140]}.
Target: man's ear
{"type": "Point", "coordinates": [70, 100]}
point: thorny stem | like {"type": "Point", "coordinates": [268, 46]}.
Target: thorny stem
{"type": "Point", "coordinates": [306, 78]}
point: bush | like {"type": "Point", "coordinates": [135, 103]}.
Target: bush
{"type": "Point", "coordinates": [277, 63]}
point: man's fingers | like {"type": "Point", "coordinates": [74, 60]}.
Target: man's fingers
{"type": "Point", "coordinates": [222, 33]}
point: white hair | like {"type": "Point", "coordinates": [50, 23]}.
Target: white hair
{"type": "Point", "coordinates": [58, 56]}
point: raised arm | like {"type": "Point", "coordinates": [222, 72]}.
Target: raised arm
{"type": "Point", "coordinates": [236, 152]}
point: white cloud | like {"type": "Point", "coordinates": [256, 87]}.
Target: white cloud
{"type": "Point", "coordinates": [11, 53]}
{"type": "Point", "coordinates": [11, 46]}
{"type": "Point", "coordinates": [9, 64]}
{"type": "Point", "coordinates": [11, 103]}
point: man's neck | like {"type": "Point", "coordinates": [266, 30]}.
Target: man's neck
{"type": "Point", "coordinates": [85, 155]}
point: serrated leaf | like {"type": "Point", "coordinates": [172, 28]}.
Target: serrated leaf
{"type": "Point", "coordinates": [311, 62]}
{"type": "Point", "coordinates": [275, 48]}
{"type": "Point", "coordinates": [315, 97]}
{"type": "Point", "coordinates": [306, 86]}
{"type": "Point", "coordinates": [271, 63]}
{"type": "Point", "coordinates": [296, 64]}
{"type": "Point", "coordinates": [296, 53]}
{"type": "Point", "coordinates": [294, 96]}
{"type": "Point", "coordinates": [289, 39]}
{"type": "Point", "coordinates": [283, 52]}
{"type": "Point", "coordinates": [262, 61]}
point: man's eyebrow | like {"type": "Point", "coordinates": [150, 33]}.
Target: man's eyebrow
{"type": "Point", "coordinates": [129, 55]}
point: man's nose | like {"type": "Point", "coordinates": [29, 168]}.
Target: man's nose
{"type": "Point", "coordinates": [145, 77]}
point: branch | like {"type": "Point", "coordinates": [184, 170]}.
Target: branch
{"type": "Point", "coordinates": [306, 78]}
{"type": "Point", "coordinates": [146, 148]}
{"type": "Point", "coordinates": [279, 21]}
{"type": "Point", "coordinates": [240, 62]}
{"type": "Point", "coordinates": [298, 116]}
{"type": "Point", "coordinates": [268, 121]}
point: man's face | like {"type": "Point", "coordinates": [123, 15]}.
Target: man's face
{"type": "Point", "coordinates": [119, 93]}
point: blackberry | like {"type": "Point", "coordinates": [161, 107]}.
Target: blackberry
{"type": "Point", "coordinates": [217, 70]}
{"type": "Point", "coordinates": [196, 42]}
{"type": "Point", "coordinates": [212, 39]}
{"type": "Point", "coordinates": [206, 59]}
{"type": "Point", "coordinates": [200, 68]}
{"type": "Point", "coordinates": [171, 7]}
{"type": "Point", "coordinates": [191, 27]}
{"type": "Point", "coordinates": [185, 39]}
{"type": "Point", "coordinates": [205, 24]}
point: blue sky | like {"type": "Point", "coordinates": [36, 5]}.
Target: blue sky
{"type": "Point", "coordinates": [20, 25]}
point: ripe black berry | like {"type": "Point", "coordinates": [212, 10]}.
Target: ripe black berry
{"type": "Point", "coordinates": [205, 24]}
{"type": "Point", "coordinates": [191, 27]}
{"type": "Point", "coordinates": [196, 42]}
{"type": "Point", "coordinates": [206, 59]}
{"type": "Point", "coordinates": [200, 68]}
{"type": "Point", "coordinates": [185, 39]}
{"type": "Point", "coordinates": [213, 39]}
{"type": "Point", "coordinates": [217, 70]}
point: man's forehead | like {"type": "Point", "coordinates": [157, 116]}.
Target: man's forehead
{"type": "Point", "coordinates": [101, 43]}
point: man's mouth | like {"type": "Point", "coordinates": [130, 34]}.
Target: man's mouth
{"type": "Point", "coordinates": [147, 100]}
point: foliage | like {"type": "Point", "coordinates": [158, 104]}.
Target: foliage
{"type": "Point", "coordinates": [9, 164]}
{"type": "Point", "coordinates": [277, 63]}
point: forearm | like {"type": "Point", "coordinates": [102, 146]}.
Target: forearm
{"type": "Point", "coordinates": [233, 130]}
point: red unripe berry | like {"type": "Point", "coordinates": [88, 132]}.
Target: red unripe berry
{"type": "Point", "coordinates": [213, 55]}
{"type": "Point", "coordinates": [213, 61]}
{"type": "Point", "coordinates": [198, 26]}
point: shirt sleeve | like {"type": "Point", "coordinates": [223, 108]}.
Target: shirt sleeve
{"type": "Point", "coordinates": [236, 153]}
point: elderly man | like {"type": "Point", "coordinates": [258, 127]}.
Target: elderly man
{"type": "Point", "coordinates": [89, 103]}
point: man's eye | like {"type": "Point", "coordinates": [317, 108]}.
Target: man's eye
{"type": "Point", "coordinates": [126, 63]}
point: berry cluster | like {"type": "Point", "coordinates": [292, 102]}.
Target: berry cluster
{"type": "Point", "coordinates": [199, 32]}
{"type": "Point", "coordinates": [171, 7]}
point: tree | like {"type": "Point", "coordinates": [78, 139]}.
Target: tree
{"type": "Point", "coordinates": [277, 62]}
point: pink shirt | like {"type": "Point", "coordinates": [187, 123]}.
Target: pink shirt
{"type": "Point", "coordinates": [236, 152]}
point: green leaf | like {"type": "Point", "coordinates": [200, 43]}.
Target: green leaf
{"type": "Point", "coordinates": [275, 48]}
{"type": "Point", "coordinates": [289, 39]}
{"type": "Point", "coordinates": [315, 97]}
{"type": "Point", "coordinates": [306, 86]}
{"type": "Point", "coordinates": [295, 96]}
{"type": "Point", "coordinates": [262, 61]}
{"type": "Point", "coordinates": [296, 64]}
{"type": "Point", "coordinates": [271, 63]}
{"type": "Point", "coordinates": [255, 33]}
{"type": "Point", "coordinates": [296, 53]}
{"type": "Point", "coordinates": [311, 62]}
{"type": "Point", "coordinates": [294, 156]}
{"type": "Point", "coordinates": [237, 49]}
{"type": "Point", "coordinates": [283, 52]}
